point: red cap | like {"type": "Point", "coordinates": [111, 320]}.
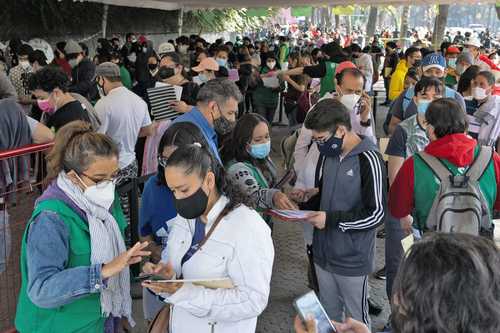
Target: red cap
{"type": "Point", "coordinates": [344, 65]}
{"type": "Point", "coordinates": [142, 39]}
{"type": "Point", "coordinates": [452, 50]}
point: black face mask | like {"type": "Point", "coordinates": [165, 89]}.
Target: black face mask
{"type": "Point", "coordinates": [193, 206]}
{"type": "Point", "coordinates": [152, 67]}
{"type": "Point", "coordinates": [417, 63]}
{"type": "Point", "coordinates": [223, 126]}
{"type": "Point", "coordinates": [332, 147]}
{"type": "Point", "coordinates": [166, 72]}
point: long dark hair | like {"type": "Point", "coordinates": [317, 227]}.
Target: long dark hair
{"type": "Point", "coordinates": [241, 136]}
{"type": "Point", "coordinates": [179, 134]}
{"type": "Point", "coordinates": [448, 283]}
{"type": "Point", "coordinates": [466, 78]}
{"type": "Point", "coordinates": [193, 158]}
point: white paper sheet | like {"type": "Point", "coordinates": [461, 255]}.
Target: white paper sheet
{"type": "Point", "coordinates": [271, 82]}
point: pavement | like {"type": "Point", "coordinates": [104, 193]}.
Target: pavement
{"type": "Point", "coordinates": [289, 279]}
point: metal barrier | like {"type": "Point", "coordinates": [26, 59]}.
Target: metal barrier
{"type": "Point", "coordinates": [24, 168]}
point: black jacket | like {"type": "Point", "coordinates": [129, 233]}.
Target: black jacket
{"type": "Point", "coordinates": [84, 80]}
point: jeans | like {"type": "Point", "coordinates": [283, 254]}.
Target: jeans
{"type": "Point", "coordinates": [291, 113]}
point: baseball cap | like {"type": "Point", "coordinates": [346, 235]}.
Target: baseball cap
{"type": "Point", "coordinates": [72, 47]}
{"type": "Point", "coordinates": [472, 41]}
{"type": "Point", "coordinates": [465, 56]}
{"type": "Point", "coordinates": [165, 48]}
{"type": "Point", "coordinates": [452, 50]}
{"type": "Point", "coordinates": [207, 64]}
{"type": "Point", "coordinates": [142, 39]}
{"type": "Point", "coordinates": [433, 60]}
{"type": "Point", "coordinates": [107, 69]}
{"type": "Point", "coordinates": [344, 65]}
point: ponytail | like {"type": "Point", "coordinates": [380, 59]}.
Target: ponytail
{"type": "Point", "coordinates": [76, 147]}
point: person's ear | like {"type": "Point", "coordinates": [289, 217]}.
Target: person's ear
{"type": "Point", "coordinates": [210, 181]}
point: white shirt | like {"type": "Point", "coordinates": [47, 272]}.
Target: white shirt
{"type": "Point", "coordinates": [240, 248]}
{"type": "Point", "coordinates": [122, 114]}
{"type": "Point", "coordinates": [365, 65]}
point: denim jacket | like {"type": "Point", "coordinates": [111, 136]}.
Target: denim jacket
{"type": "Point", "coordinates": [50, 283]}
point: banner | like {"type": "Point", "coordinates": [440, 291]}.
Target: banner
{"type": "Point", "coordinates": [253, 12]}
{"type": "Point", "coordinates": [302, 11]}
{"type": "Point", "coordinates": [343, 10]}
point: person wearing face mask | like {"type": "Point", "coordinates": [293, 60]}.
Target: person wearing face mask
{"type": "Point", "coordinates": [350, 92]}
{"type": "Point", "coordinates": [157, 205]}
{"type": "Point", "coordinates": [74, 263]}
{"type": "Point", "coordinates": [50, 87]}
{"type": "Point", "coordinates": [222, 56]}
{"type": "Point", "coordinates": [124, 73]}
{"type": "Point", "coordinates": [433, 66]}
{"type": "Point", "coordinates": [464, 61]}
{"type": "Point", "coordinates": [364, 63]}
{"type": "Point", "coordinates": [488, 112]}
{"type": "Point", "coordinates": [206, 71]}
{"type": "Point", "coordinates": [124, 117]}
{"type": "Point", "coordinates": [449, 142]}
{"type": "Point", "coordinates": [172, 72]}
{"type": "Point", "coordinates": [214, 236]}
{"type": "Point", "coordinates": [18, 76]}
{"type": "Point", "coordinates": [266, 98]}
{"type": "Point", "coordinates": [250, 167]}
{"type": "Point", "coordinates": [408, 138]}
{"type": "Point", "coordinates": [215, 111]}
{"type": "Point", "coordinates": [297, 85]}
{"type": "Point", "coordinates": [473, 44]}
{"type": "Point", "coordinates": [350, 205]}
{"type": "Point", "coordinates": [412, 57]}
{"type": "Point", "coordinates": [452, 76]}
{"type": "Point", "coordinates": [82, 73]}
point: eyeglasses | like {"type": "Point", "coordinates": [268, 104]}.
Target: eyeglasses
{"type": "Point", "coordinates": [162, 161]}
{"type": "Point", "coordinates": [102, 183]}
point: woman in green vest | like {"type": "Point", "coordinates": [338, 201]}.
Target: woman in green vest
{"type": "Point", "coordinates": [249, 166]}
{"type": "Point", "coordinates": [74, 264]}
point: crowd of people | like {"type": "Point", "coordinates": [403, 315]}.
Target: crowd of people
{"type": "Point", "coordinates": [205, 211]}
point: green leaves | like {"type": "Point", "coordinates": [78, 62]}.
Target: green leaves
{"type": "Point", "coordinates": [217, 20]}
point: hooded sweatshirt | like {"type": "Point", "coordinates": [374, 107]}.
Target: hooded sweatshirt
{"type": "Point", "coordinates": [457, 152]}
{"type": "Point", "coordinates": [353, 195]}
{"type": "Point", "coordinates": [397, 84]}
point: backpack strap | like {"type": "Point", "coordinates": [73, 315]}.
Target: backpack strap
{"type": "Point", "coordinates": [439, 169]}
{"type": "Point", "coordinates": [480, 163]}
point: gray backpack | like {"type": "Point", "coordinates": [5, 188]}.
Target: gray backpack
{"type": "Point", "coordinates": [459, 205]}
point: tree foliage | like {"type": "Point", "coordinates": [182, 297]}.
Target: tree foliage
{"type": "Point", "coordinates": [216, 20]}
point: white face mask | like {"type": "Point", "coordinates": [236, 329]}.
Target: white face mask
{"type": "Point", "coordinates": [102, 195]}
{"type": "Point", "coordinates": [73, 63]}
{"type": "Point", "coordinates": [350, 101]}
{"type": "Point", "coordinates": [183, 49]}
{"type": "Point", "coordinates": [25, 64]}
{"type": "Point", "coordinates": [271, 64]}
{"type": "Point", "coordinates": [132, 57]}
{"type": "Point", "coordinates": [479, 93]}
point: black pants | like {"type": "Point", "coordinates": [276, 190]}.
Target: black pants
{"type": "Point", "coordinates": [387, 82]}
{"type": "Point", "coordinates": [291, 113]}
{"type": "Point", "coordinates": [267, 112]}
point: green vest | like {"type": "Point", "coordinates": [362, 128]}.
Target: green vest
{"type": "Point", "coordinates": [328, 81]}
{"type": "Point", "coordinates": [426, 186]}
{"type": "Point", "coordinates": [82, 315]}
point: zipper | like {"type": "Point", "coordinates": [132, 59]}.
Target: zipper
{"type": "Point", "coordinates": [459, 211]}
{"type": "Point", "coordinates": [212, 326]}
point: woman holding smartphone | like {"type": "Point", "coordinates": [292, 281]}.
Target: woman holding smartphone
{"type": "Point", "coordinates": [214, 236]}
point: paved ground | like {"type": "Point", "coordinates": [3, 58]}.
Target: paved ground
{"type": "Point", "coordinates": [289, 272]}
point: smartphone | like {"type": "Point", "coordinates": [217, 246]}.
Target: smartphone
{"type": "Point", "coordinates": [307, 305]}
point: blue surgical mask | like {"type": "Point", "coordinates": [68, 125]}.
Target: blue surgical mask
{"type": "Point", "coordinates": [221, 62]}
{"type": "Point", "coordinates": [422, 105]}
{"type": "Point", "coordinates": [261, 150]}
{"type": "Point", "coordinates": [331, 147]}
{"type": "Point", "coordinates": [452, 63]}
{"type": "Point", "coordinates": [203, 77]}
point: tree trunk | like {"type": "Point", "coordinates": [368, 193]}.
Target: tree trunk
{"type": "Point", "coordinates": [440, 25]}
{"type": "Point", "coordinates": [498, 11]}
{"type": "Point", "coordinates": [405, 16]}
{"type": "Point", "coordinates": [104, 23]}
{"type": "Point", "coordinates": [372, 22]}
{"type": "Point", "coordinates": [337, 21]}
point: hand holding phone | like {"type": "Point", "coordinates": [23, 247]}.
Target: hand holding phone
{"type": "Point", "coordinates": [309, 305]}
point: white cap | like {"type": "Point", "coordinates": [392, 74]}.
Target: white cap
{"type": "Point", "coordinates": [472, 41]}
{"type": "Point", "coordinates": [165, 48]}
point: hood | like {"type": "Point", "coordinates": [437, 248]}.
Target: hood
{"type": "Point", "coordinates": [456, 148]}
{"type": "Point", "coordinates": [402, 65]}
{"type": "Point", "coordinates": [366, 144]}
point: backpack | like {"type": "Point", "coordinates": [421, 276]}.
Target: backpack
{"type": "Point", "coordinates": [459, 205]}
{"type": "Point", "coordinates": [288, 147]}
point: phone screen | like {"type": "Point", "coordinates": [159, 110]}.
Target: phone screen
{"type": "Point", "coordinates": [309, 304]}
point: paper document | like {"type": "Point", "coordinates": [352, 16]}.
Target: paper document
{"type": "Point", "coordinates": [407, 243]}
{"type": "Point", "coordinates": [233, 75]}
{"type": "Point", "coordinates": [271, 82]}
{"type": "Point", "coordinates": [160, 98]}
{"type": "Point", "coordinates": [290, 215]}
{"type": "Point", "coordinates": [219, 283]}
